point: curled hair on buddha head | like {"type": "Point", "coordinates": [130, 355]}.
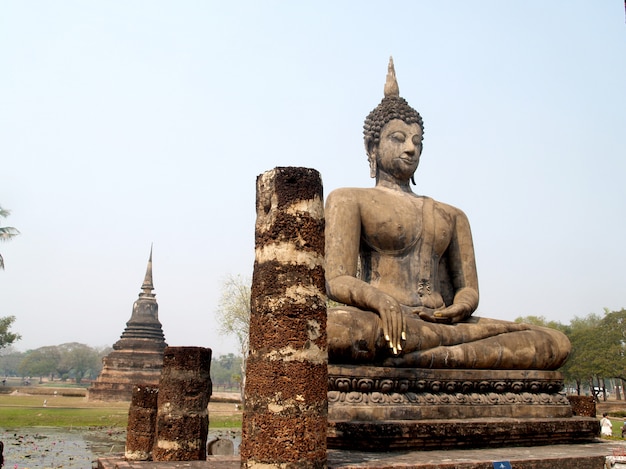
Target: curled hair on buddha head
{"type": "Point", "coordinates": [391, 107]}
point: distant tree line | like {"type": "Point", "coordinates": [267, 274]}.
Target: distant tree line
{"type": "Point", "coordinates": [598, 351]}
{"type": "Point", "coordinates": [226, 372]}
{"type": "Point", "coordinates": [71, 361]}
{"type": "Point", "coordinates": [78, 362]}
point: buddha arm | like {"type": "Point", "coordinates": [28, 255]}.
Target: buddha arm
{"type": "Point", "coordinates": [343, 235]}
{"type": "Point", "coordinates": [343, 232]}
{"type": "Point", "coordinates": [462, 269]}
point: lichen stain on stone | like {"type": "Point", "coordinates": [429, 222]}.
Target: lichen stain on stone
{"type": "Point", "coordinates": [312, 354]}
{"type": "Point", "coordinates": [314, 329]}
{"type": "Point", "coordinates": [313, 208]}
{"type": "Point", "coordinates": [275, 408]}
{"type": "Point", "coordinates": [288, 305]}
{"type": "Point", "coordinates": [300, 294]}
{"type": "Point", "coordinates": [168, 445]}
{"type": "Point", "coordinates": [286, 253]}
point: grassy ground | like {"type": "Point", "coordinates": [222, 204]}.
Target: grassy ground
{"type": "Point", "coordinates": [30, 411]}
{"type": "Point", "coordinates": [17, 411]}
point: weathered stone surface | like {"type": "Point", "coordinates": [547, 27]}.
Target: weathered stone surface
{"type": "Point", "coordinates": [403, 265]}
{"type": "Point", "coordinates": [478, 407]}
{"type": "Point", "coordinates": [182, 416]}
{"type": "Point", "coordinates": [454, 434]}
{"type": "Point", "coordinates": [289, 379]}
{"type": "Point", "coordinates": [138, 356]}
{"type": "Point", "coordinates": [360, 393]}
{"type": "Point", "coordinates": [141, 428]}
{"type": "Point", "coordinates": [285, 413]}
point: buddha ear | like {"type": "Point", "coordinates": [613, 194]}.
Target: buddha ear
{"type": "Point", "coordinates": [373, 166]}
{"type": "Point", "coordinates": [370, 149]}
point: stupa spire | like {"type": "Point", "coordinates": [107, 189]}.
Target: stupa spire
{"type": "Point", "coordinates": [144, 322]}
{"type": "Point", "coordinates": [148, 286]}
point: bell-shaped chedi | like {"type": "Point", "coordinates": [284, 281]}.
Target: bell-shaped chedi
{"type": "Point", "coordinates": [138, 356]}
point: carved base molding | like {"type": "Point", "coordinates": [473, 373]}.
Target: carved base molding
{"type": "Point", "coordinates": [350, 378]}
{"type": "Point", "coordinates": [382, 408]}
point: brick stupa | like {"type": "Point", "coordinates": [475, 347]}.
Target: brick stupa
{"type": "Point", "coordinates": [138, 356]}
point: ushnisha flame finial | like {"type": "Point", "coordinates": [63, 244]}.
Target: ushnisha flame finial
{"type": "Point", "coordinates": [391, 85]}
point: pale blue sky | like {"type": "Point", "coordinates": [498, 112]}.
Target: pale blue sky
{"type": "Point", "coordinates": [126, 123]}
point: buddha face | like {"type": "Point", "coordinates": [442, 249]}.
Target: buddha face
{"type": "Point", "coordinates": [399, 150]}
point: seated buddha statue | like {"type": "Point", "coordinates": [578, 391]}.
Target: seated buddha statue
{"type": "Point", "coordinates": [402, 267]}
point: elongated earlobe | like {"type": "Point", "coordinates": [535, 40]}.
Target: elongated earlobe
{"type": "Point", "coordinates": [372, 160]}
{"type": "Point", "coordinates": [370, 151]}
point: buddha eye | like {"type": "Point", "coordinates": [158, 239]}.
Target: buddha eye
{"type": "Point", "coordinates": [398, 137]}
{"type": "Point", "coordinates": [417, 140]}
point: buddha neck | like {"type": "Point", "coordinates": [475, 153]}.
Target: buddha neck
{"type": "Point", "coordinates": [384, 180]}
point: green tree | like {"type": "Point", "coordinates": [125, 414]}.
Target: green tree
{"type": "Point", "coordinates": [611, 357]}
{"type": "Point", "coordinates": [6, 336]}
{"type": "Point", "coordinates": [233, 315]}
{"type": "Point", "coordinates": [69, 360]}
{"type": "Point", "coordinates": [542, 321]}
{"type": "Point", "coordinates": [226, 370]}
{"type": "Point", "coordinates": [10, 359]}
{"type": "Point", "coordinates": [40, 362]}
{"type": "Point", "coordinates": [6, 232]}
{"type": "Point", "coordinates": [582, 365]}
{"type": "Point", "coordinates": [79, 361]}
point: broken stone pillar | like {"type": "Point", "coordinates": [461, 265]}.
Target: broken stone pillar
{"type": "Point", "coordinates": [182, 417]}
{"type": "Point", "coordinates": [141, 427]}
{"type": "Point", "coordinates": [285, 410]}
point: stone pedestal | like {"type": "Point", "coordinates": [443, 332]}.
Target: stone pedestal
{"type": "Point", "coordinates": [379, 409]}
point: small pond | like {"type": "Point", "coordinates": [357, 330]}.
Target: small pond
{"type": "Point", "coordinates": [79, 448]}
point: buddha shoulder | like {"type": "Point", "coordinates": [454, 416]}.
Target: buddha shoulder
{"type": "Point", "coordinates": [347, 196]}
{"type": "Point", "coordinates": [449, 211]}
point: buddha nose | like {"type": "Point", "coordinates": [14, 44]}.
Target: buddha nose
{"type": "Point", "coordinates": [410, 148]}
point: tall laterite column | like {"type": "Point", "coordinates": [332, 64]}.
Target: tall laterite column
{"type": "Point", "coordinates": [182, 422]}
{"type": "Point", "coordinates": [286, 407]}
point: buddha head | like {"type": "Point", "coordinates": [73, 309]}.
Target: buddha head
{"type": "Point", "coordinates": [391, 107]}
